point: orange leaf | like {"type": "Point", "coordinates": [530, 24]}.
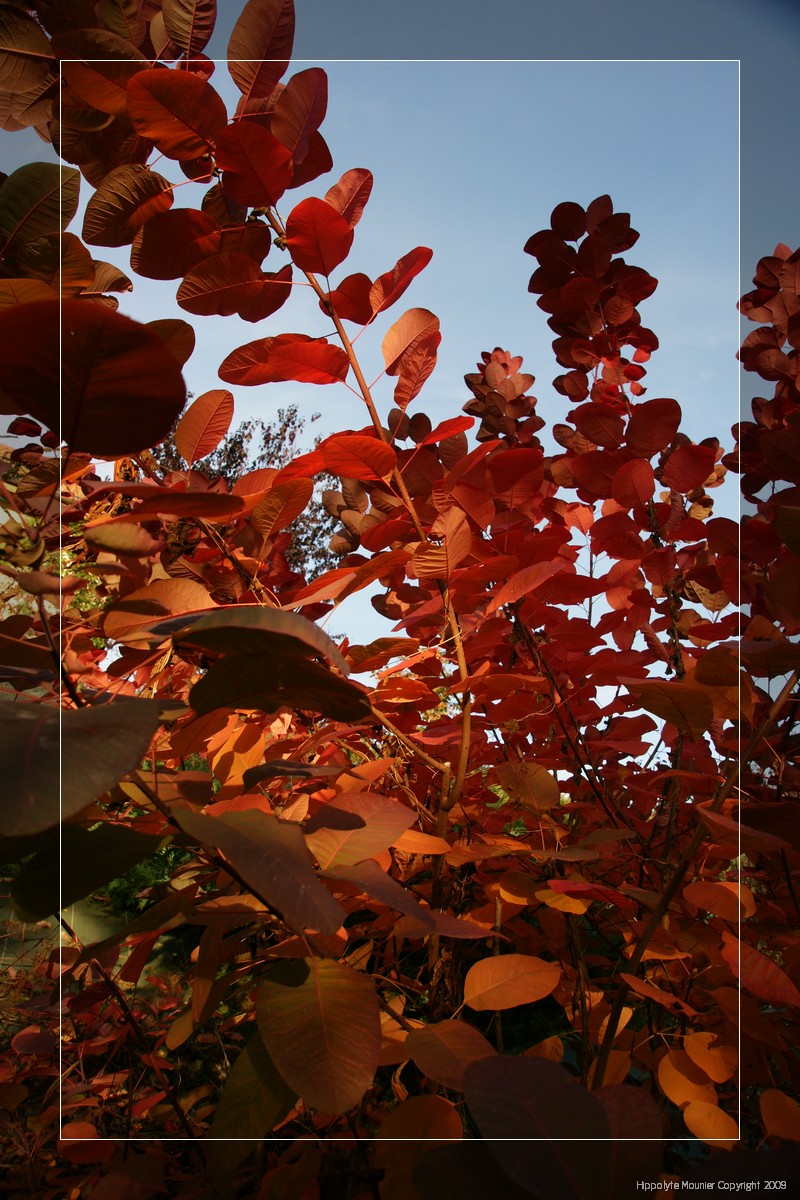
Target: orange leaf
{"type": "Point", "coordinates": [759, 974]}
{"type": "Point", "coordinates": [780, 1114]}
{"type": "Point", "coordinates": [711, 1125]}
{"type": "Point", "coordinates": [509, 980]}
{"type": "Point", "coordinates": [682, 1081]}
{"type": "Point", "coordinates": [731, 901]}
{"type": "Point", "coordinates": [718, 1061]}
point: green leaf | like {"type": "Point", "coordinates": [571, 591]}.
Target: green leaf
{"type": "Point", "coordinates": [88, 859]}
{"type": "Point", "coordinates": [98, 746]}
{"type": "Point", "coordinates": [38, 200]}
{"type": "Point", "coordinates": [268, 683]}
{"type": "Point", "coordinates": [254, 1100]}
{"type": "Point", "coordinates": [271, 857]}
{"type": "Point", "coordinates": [320, 1021]}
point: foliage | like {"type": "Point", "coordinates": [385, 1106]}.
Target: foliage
{"type": "Point", "coordinates": [254, 445]}
{"type": "Point", "coordinates": [509, 888]}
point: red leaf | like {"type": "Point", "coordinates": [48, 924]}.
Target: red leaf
{"type": "Point", "coordinates": [127, 198]}
{"type": "Point", "coordinates": [114, 389]}
{"type": "Point", "coordinates": [171, 243]}
{"type": "Point", "coordinates": [290, 356]}
{"type": "Point", "coordinates": [652, 427]}
{"type": "Point", "coordinates": [318, 238]}
{"type": "Point", "coordinates": [350, 300]}
{"type": "Point", "coordinates": [389, 287]}
{"type": "Point", "coordinates": [204, 424]}
{"type": "Point", "coordinates": [522, 583]}
{"type": "Point", "coordinates": [256, 167]}
{"type": "Point", "coordinates": [264, 35]}
{"type": "Point", "coordinates": [79, 1142]}
{"type": "Point", "coordinates": [447, 429]}
{"type": "Point", "coordinates": [190, 23]}
{"type": "Point", "coordinates": [415, 369]}
{"type": "Point", "coordinates": [281, 505]}
{"type": "Point", "coordinates": [599, 424]}
{"type": "Point", "coordinates": [357, 456]}
{"type": "Point", "coordinates": [634, 483]}
{"type": "Point", "coordinates": [432, 561]}
{"type": "Point", "coordinates": [350, 195]}
{"type": "Point", "coordinates": [180, 112]}
{"type": "Point", "coordinates": [688, 467]}
{"type": "Point", "coordinates": [234, 283]}
{"type": "Point", "coordinates": [303, 467]}
{"type": "Point", "coordinates": [408, 331]}
{"type": "Point", "coordinates": [317, 161]}
{"type": "Point", "coordinates": [300, 110]}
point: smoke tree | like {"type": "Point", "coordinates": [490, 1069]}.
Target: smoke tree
{"type": "Point", "coordinates": [532, 884]}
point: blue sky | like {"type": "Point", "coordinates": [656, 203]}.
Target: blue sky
{"type": "Point", "coordinates": [470, 158]}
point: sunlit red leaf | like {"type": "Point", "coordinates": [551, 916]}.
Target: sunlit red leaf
{"type": "Point", "coordinates": [114, 389]}
{"type": "Point", "coordinates": [189, 23]}
{"type": "Point", "coordinates": [389, 287]}
{"type": "Point", "coordinates": [179, 111]}
{"type": "Point", "coordinates": [415, 369]}
{"type": "Point", "coordinates": [357, 456]}
{"type": "Point", "coordinates": [204, 424]}
{"type": "Point", "coordinates": [688, 467]}
{"type": "Point", "coordinates": [350, 300]}
{"type": "Point", "coordinates": [711, 1125]}
{"type": "Point", "coordinates": [350, 195]}
{"type": "Point", "coordinates": [317, 161]}
{"type": "Point", "coordinates": [320, 1022]}
{"type": "Point", "coordinates": [759, 973]}
{"type": "Point", "coordinates": [318, 238]}
{"type": "Point", "coordinates": [127, 198]}
{"type": "Point", "coordinates": [652, 427]}
{"type": "Point", "coordinates": [256, 167]}
{"type": "Point", "coordinates": [260, 46]}
{"type": "Point", "coordinates": [300, 110]}
{"type": "Point", "coordinates": [634, 483]}
{"type": "Point", "coordinates": [438, 561]}
{"type": "Point", "coordinates": [508, 980]}
{"type": "Point", "coordinates": [234, 283]}
{"type": "Point", "coordinates": [522, 583]}
{"type": "Point", "coordinates": [290, 356]}
{"type": "Point", "coordinates": [281, 505]}
{"type": "Point", "coordinates": [413, 327]}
